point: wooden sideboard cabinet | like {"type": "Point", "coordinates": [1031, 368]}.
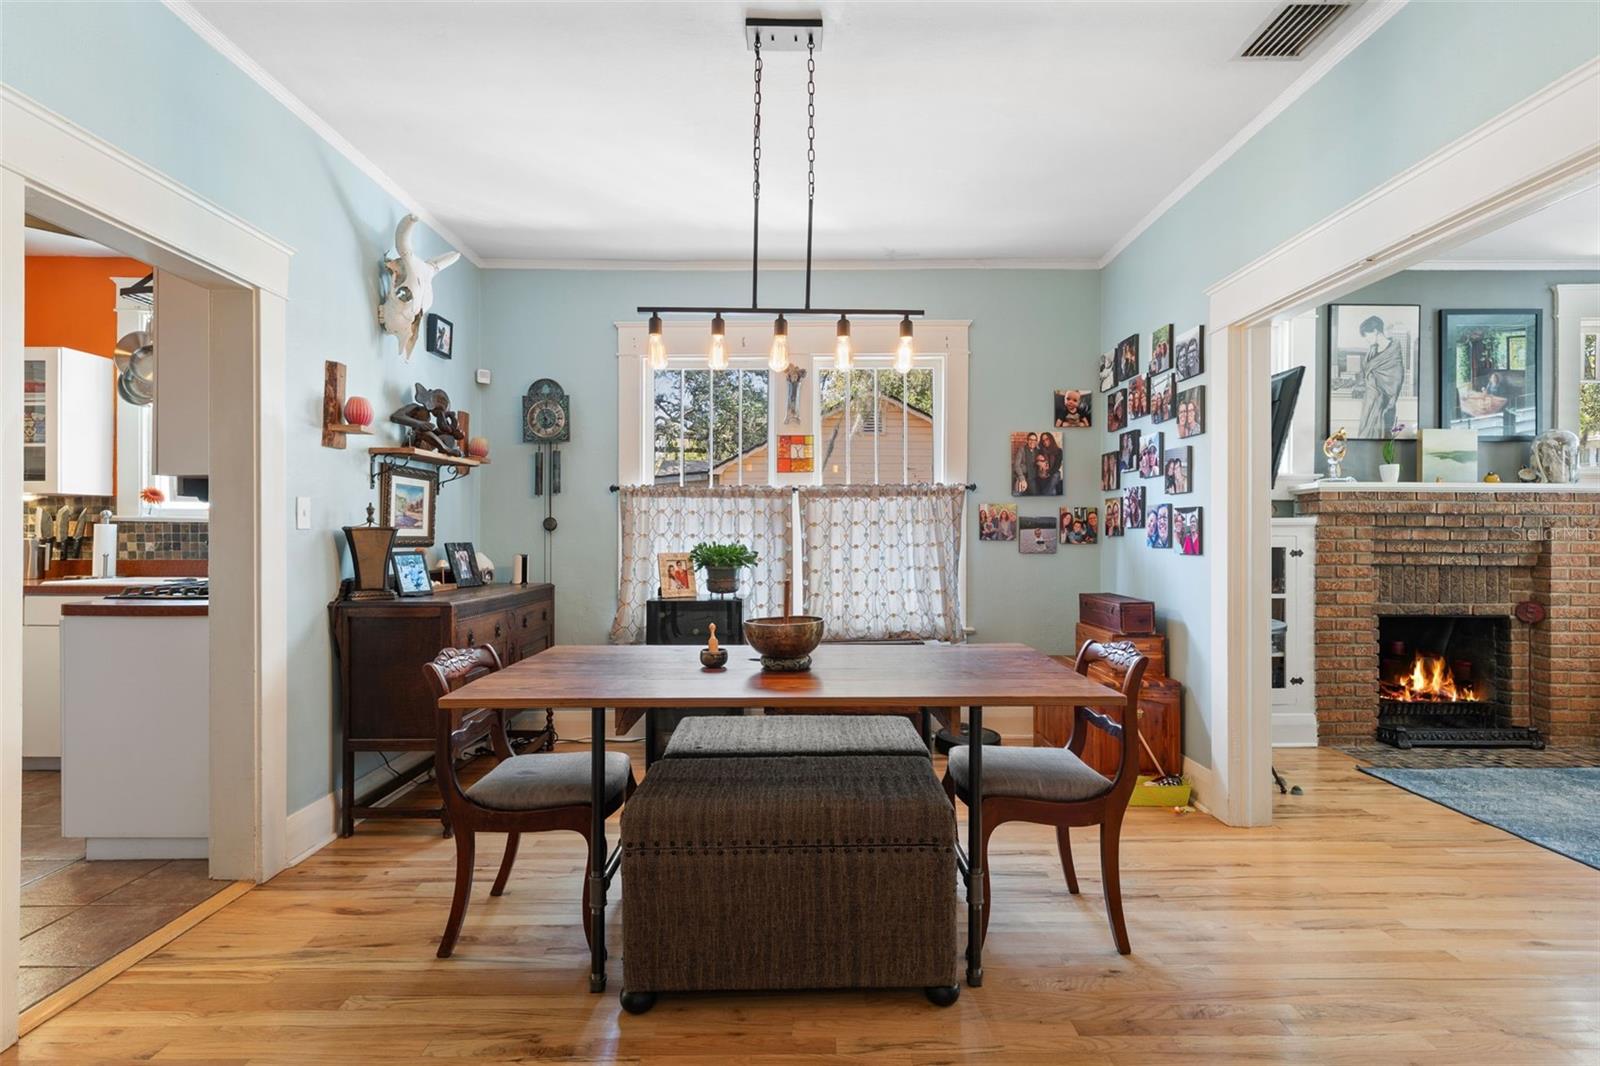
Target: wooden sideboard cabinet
{"type": "Point", "coordinates": [385, 703]}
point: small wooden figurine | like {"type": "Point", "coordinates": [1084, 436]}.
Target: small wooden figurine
{"type": "Point", "coordinates": [431, 423]}
{"type": "Point", "coordinates": [713, 656]}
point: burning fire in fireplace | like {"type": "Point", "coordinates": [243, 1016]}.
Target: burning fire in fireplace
{"type": "Point", "coordinates": [1429, 680]}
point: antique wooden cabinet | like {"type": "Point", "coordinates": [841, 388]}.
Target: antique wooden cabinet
{"type": "Point", "coordinates": [385, 702]}
{"type": "Point", "coordinates": [1160, 709]}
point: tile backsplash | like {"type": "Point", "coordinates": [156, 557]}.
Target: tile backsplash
{"type": "Point", "coordinates": [138, 539]}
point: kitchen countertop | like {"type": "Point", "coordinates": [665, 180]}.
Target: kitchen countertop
{"type": "Point", "coordinates": [138, 608]}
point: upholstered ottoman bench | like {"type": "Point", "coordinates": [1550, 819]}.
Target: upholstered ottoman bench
{"type": "Point", "coordinates": [797, 872]}
{"type": "Point", "coordinates": [797, 735]}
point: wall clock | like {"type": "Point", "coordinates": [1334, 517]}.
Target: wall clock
{"type": "Point", "coordinates": [546, 414]}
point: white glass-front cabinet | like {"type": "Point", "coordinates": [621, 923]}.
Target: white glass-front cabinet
{"type": "Point", "coordinates": [1294, 717]}
{"type": "Point", "coordinates": [68, 417]}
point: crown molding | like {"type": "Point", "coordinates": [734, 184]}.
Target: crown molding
{"type": "Point", "coordinates": [230, 51]}
{"type": "Point", "coordinates": [732, 265]}
{"type": "Point", "coordinates": [1369, 18]}
{"type": "Point", "coordinates": [1574, 263]}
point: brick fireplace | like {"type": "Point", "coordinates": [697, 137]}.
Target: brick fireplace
{"type": "Point", "coordinates": [1460, 553]}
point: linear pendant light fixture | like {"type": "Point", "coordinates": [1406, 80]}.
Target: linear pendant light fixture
{"type": "Point", "coordinates": [796, 34]}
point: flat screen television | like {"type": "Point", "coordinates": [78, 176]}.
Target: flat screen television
{"type": "Point", "coordinates": [1285, 392]}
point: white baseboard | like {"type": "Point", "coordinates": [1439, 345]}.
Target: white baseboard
{"type": "Point", "coordinates": [100, 848]}
{"type": "Point", "coordinates": [314, 826]}
{"type": "Point", "coordinates": [1203, 782]}
{"type": "Point", "coordinates": [1294, 729]}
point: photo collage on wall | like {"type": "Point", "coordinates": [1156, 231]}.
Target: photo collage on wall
{"type": "Point", "coordinates": [1037, 467]}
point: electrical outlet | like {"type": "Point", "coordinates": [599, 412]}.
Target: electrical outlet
{"type": "Point", "coordinates": [302, 512]}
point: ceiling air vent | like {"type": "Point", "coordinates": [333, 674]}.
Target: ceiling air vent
{"type": "Point", "coordinates": [1290, 33]}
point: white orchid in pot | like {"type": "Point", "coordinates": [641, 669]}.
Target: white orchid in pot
{"type": "Point", "coordinates": [721, 562]}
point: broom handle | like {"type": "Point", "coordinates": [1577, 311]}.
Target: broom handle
{"type": "Point", "coordinates": [1152, 755]}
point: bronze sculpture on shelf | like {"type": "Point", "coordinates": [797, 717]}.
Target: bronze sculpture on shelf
{"type": "Point", "coordinates": [431, 423]}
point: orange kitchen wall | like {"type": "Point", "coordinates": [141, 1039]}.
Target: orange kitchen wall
{"type": "Point", "coordinates": [69, 303]}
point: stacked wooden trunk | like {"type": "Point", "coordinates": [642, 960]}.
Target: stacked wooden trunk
{"type": "Point", "coordinates": [1107, 618]}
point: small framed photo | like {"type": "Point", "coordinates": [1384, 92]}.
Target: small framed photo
{"type": "Point", "coordinates": [1191, 412]}
{"type": "Point", "coordinates": [1150, 453]}
{"type": "Point", "coordinates": [1489, 369]}
{"type": "Point", "coordinates": [462, 559]}
{"type": "Point", "coordinates": [997, 521]}
{"type": "Point", "coordinates": [1138, 397]}
{"type": "Point", "coordinates": [1158, 526]}
{"type": "Point", "coordinates": [1113, 523]}
{"type": "Point", "coordinates": [1188, 353]}
{"type": "Point", "coordinates": [1163, 397]}
{"type": "Point", "coordinates": [1079, 525]}
{"type": "Point", "coordinates": [1035, 464]}
{"type": "Point", "coordinates": [406, 501]}
{"type": "Point", "coordinates": [1117, 410]}
{"type": "Point", "coordinates": [1133, 507]}
{"type": "Point", "coordinates": [1110, 472]}
{"type": "Point", "coordinates": [1161, 350]}
{"type": "Point", "coordinates": [1176, 467]}
{"type": "Point", "coordinates": [411, 572]}
{"type": "Point", "coordinates": [441, 335]}
{"type": "Point", "coordinates": [1127, 361]}
{"type": "Point", "coordinates": [1128, 450]}
{"type": "Point", "coordinates": [1108, 371]}
{"type": "Point", "coordinates": [1036, 535]}
{"type": "Point", "coordinates": [677, 576]}
{"type": "Point", "coordinates": [1074, 408]}
{"type": "Point", "coordinates": [1186, 530]}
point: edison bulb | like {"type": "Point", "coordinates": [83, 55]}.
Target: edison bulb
{"type": "Point", "coordinates": [719, 352]}
{"type": "Point", "coordinates": [841, 354]}
{"type": "Point", "coordinates": [778, 359]}
{"type": "Point", "coordinates": [903, 356]}
{"type": "Point", "coordinates": [658, 352]}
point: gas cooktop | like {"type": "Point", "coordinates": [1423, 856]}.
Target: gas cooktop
{"type": "Point", "coordinates": [168, 590]}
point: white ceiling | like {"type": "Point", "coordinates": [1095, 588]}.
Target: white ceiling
{"type": "Point", "coordinates": [1565, 232]}
{"type": "Point", "coordinates": [599, 131]}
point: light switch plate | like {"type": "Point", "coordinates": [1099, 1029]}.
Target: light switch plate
{"type": "Point", "coordinates": [485, 376]}
{"type": "Point", "coordinates": [302, 512]}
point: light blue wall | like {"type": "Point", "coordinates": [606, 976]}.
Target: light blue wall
{"type": "Point", "coordinates": [1033, 332]}
{"type": "Point", "coordinates": [1433, 291]}
{"type": "Point", "coordinates": [1431, 74]}
{"type": "Point", "coordinates": [134, 75]}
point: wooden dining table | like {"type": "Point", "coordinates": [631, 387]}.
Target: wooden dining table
{"type": "Point", "coordinates": [842, 677]}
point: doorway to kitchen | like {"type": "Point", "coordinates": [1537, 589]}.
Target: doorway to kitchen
{"type": "Point", "coordinates": [60, 175]}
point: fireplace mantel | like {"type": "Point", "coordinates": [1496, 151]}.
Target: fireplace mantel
{"type": "Point", "coordinates": [1404, 489]}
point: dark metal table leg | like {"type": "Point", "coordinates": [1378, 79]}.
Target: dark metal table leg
{"type": "Point", "coordinates": [597, 852]}
{"type": "Point", "coordinates": [927, 728]}
{"type": "Point", "coordinates": [649, 739]}
{"type": "Point", "coordinates": [975, 849]}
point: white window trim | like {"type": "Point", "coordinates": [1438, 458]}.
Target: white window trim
{"type": "Point", "coordinates": [1294, 343]}
{"type": "Point", "coordinates": [1575, 306]}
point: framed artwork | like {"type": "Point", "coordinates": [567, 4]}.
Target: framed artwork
{"type": "Point", "coordinates": [1113, 522]}
{"type": "Point", "coordinates": [1133, 508]}
{"type": "Point", "coordinates": [1188, 353]}
{"type": "Point", "coordinates": [997, 521]}
{"type": "Point", "coordinates": [462, 559]}
{"type": "Point", "coordinates": [1108, 371]}
{"type": "Point", "coordinates": [1079, 525]}
{"type": "Point", "coordinates": [441, 335]}
{"type": "Point", "coordinates": [406, 501]}
{"type": "Point", "coordinates": [1163, 397]}
{"type": "Point", "coordinates": [1158, 526]}
{"type": "Point", "coordinates": [1035, 464]}
{"type": "Point", "coordinates": [1138, 397]}
{"type": "Point", "coordinates": [1074, 408]}
{"type": "Point", "coordinates": [1489, 369]}
{"type": "Point", "coordinates": [1448, 455]}
{"type": "Point", "coordinates": [1177, 467]}
{"type": "Point", "coordinates": [1161, 349]}
{"type": "Point", "coordinates": [1372, 369]}
{"type": "Point", "coordinates": [677, 576]}
{"type": "Point", "coordinates": [1127, 358]}
{"type": "Point", "coordinates": [796, 453]}
{"type": "Point", "coordinates": [1036, 535]}
{"type": "Point", "coordinates": [1117, 410]}
{"type": "Point", "coordinates": [1110, 472]}
{"type": "Point", "coordinates": [1150, 452]}
{"type": "Point", "coordinates": [1191, 410]}
{"type": "Point", "coordinates": [411, 572]}
{"type": "Point", "coordinates": [1128, 450]}
{"type": "Point", "coordinates": [1186, 530]}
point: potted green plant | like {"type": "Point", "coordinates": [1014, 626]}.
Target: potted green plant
{"type": "Point", "coordinates": [721, 562]}
{"type": "Point", "coordinates": [1390, 470]}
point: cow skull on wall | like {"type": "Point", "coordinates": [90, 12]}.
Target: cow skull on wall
{"type": "Point", "coordinates": [409, 287]}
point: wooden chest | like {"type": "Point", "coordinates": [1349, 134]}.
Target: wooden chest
{"type": "Point", "coordinates": [1160, 723]}
{"type": "Point", "coordinates": [1120, 614]}
{"type": "Point", "coordinates": [1153, 647]}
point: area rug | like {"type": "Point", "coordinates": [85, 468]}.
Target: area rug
{"type": "Point", "coordinates": [1557, 809]}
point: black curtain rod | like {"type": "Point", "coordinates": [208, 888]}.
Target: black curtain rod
{"type": "Point", "coordinates": [970, 486]}
{"type": "Point", "coordinates": [763, 312]}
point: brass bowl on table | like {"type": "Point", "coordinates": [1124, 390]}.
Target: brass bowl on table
{"type": "Point", "coordinates": [785, 643]}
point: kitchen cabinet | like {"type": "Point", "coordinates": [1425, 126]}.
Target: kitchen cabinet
{"type": "Point", "coordinates": [181, 422]}
{"type": "Point", "coordinates": [1293, 609]}
{"type": "Point", "coordinates": [68, 422]}
{"type": "Point", "coordinates": [41, 679]}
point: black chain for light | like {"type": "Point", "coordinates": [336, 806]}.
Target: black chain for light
{"type": "Point", "coordinates": [755, 187]}
{"type": "Point", "coordinates": [811, 151]}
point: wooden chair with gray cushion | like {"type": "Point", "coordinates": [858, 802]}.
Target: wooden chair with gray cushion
{"type": "Point", "coordinates": [521, 794]}
{"type": "Point", "coordinates": [1053, 786]}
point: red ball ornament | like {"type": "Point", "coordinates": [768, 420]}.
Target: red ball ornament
{"type": "Point", "coordinates": [478, 448]}
{"type": "Point", "coordinates": [358, 411]}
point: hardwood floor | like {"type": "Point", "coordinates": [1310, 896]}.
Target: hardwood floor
{"type": "Point", "coordinates": [1368, 925]}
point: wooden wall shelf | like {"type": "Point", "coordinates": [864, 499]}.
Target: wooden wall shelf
{"type": "Point", "coordinates": [459, 465]}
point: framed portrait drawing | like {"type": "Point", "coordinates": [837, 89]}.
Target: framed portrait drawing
{"type": "Point", "coordinates": [411, 572]}
{"type": "Point", "coordinates": [1489, 368]}
{"type": "Point", "coordinates": [462, 559]}
{"type": "Point", "coordinates": [677, 576]}
{"type": "Point", "coordinates": [1372, 369]}
{"type": "Point", "coordinates": [406, 501]}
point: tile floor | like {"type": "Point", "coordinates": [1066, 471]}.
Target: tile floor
{"type": "Point", "coordinates": [77, 914]}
